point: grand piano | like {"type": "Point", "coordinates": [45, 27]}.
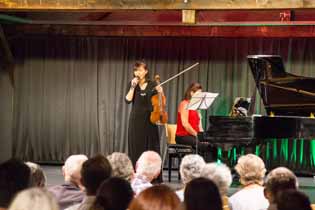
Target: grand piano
{"type": "Point", "coordinates": [289, 98]}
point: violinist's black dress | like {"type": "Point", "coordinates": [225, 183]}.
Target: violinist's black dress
{"type": "Point", "coordinates": [142, 134]}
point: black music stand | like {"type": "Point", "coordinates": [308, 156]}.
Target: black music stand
{"type": "Point", "coordinates": [201, 101]}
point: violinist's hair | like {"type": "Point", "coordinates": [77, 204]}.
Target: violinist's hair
{"type": "Point", "coordinates": [192, 87]}
{"type": "Point", "coordinates": [139, 64]}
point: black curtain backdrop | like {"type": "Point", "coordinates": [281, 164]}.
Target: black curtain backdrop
{"type": "Point", "coordinates": [6, 106]}
{"type": "Point", "coordinates": [69, 91]}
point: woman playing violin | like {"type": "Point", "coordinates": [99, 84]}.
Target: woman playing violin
{"type": "Point", "coordinates": [189, 121]}
{"type": "Point", "coordinates": [142, 134]}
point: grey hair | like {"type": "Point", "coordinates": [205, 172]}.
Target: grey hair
{"type": "Point", "coordinates": [121, 165]}
{"type": "Point", "coordinates": [35, 199]}
{"type": "Point", "coordinates": [73, 165]}
{"type": "Point", "coordinates": [38, 177]}
{"type": "Point", "coordinates": [191, 167]}
{"type": "Point", "coordinates": [149, 164]}
{"type": "Point", "coordinates": [220, 174]}
{"type": "Point", "coordinates": [251, 169]}
{"type": "Point", "coordinates": [280, 179]}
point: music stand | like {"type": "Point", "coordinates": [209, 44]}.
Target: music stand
{"type": "Point", "coordinates": [201, 101]}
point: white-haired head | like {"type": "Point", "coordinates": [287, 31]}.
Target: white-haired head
{"type": "Point", "coordinates": [251, 169]}
{"type": "Point", "coordinates": [35, 199]}
{"type": "Point", "coordinates": [149, 165]}
{"type": "Point", "coordinates": [220, 174]}
{"type": "Point", "coordinates": [72, 167]}
{"type": "Point", "coordinates": [38, 177]}
{"type": "Point", "coordinates": [191, 167]}
{"type": "Point", "coordinates": [121, 165]}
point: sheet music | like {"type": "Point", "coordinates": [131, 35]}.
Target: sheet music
{"type": "Point", "coordinates": [201, 100]}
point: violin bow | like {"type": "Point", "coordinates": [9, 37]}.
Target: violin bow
{"type": "Point", "coordinates": [176, 75]}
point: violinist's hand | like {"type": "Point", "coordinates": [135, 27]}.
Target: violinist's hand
{"type": "Point", "coordinates": [134, 82]}
{"type": "Point", "coordinates": [159, 89]}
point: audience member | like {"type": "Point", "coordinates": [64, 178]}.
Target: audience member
{"type": "Point", "coordinates": [114, 194]}
{"type": "Point", "coordinates": [202, 194]}
{"type": "Point", "coordinates": [94, 171]}
{"type": "Point", "coordinates": [293, 200]}
{"type": "Point", "coordinates": [221, 175]}
{"type": "Point", "coordinates": [121, 165]}
{"type": "Point", "coordinates": [190, 168]}
{"type": "Point", "coordinates": [205, 185]}
{"type": "Point", "coordinates": [158, 197]}
{"type": "Point", "coordinates": [14, 177]}
{"type": "Point", "coordinates": [38, 177]}
{"type": "Point", "coordinates": [34, 199]}
{"type": "Point", "coordinates": [71, 191]}
{"type": "Point", "coordinates": [278, 180]}
{"type": "Point", "coordinates": [148, 167]}
{"type": "Point", "coordinates": [251, 169]}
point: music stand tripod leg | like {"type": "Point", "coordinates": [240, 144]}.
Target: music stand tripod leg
{"type": "Point", "coordinates": [197, 139]}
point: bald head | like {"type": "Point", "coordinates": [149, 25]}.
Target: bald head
{"type": "Point", "coordinates": [278, 180]}
{"type": "Point", "coordinates": [72, 167]}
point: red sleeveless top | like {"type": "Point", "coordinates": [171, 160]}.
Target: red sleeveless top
{"type": "Point", "coordinates": [193, 119]}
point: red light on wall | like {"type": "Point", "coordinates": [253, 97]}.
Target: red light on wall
{"type": "Point", "coordinates": [285, 16]}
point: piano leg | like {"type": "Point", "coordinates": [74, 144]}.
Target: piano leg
{"type": "Point", "coordinates": [202, 148]}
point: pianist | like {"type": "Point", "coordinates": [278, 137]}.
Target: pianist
{"type": "Point", "coordinates": [189, 123]}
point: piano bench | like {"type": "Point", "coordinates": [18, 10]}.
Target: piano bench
{"type": "Point", "coordinates": [176, 151]}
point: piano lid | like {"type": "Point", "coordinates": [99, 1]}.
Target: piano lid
{"type": "Point", "coordinates": [282, 93]}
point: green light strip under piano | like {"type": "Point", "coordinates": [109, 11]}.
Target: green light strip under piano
{"type": "Point", "coordinates": [297, 154]}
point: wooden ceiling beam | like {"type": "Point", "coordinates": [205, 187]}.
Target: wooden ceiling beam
{"type": "Point", "coordinates": [164, 31]}
{"type": "Point", "coordinates": [100, 5]}
{"type": "Point", "coordinates": [159, 16]}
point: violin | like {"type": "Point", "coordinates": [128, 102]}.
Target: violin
{"type": "Point", "coordinates": [158, 115]}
